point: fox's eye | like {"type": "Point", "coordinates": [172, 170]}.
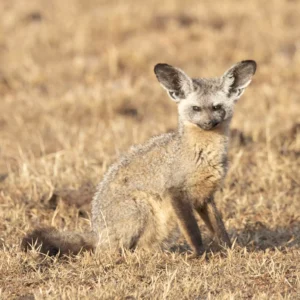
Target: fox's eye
{"type": "Point", "coordinates": [217, 107]}
{"type": "Point", "coordinates": [196, 108]}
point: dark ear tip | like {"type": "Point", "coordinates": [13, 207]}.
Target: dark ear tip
{"type": "Point", "coordinates": [158, 67]}
{"type": "Point", "coordinates": [252, 63]}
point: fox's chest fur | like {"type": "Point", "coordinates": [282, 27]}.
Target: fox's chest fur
{"type": "Point", "coordinates": [205, 161]}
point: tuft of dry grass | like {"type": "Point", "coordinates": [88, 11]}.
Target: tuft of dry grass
{"type": "Point", "coordinates": [77, 89]}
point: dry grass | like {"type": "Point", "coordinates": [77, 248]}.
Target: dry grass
{"type": "Point", "coordinates": [77, 89]}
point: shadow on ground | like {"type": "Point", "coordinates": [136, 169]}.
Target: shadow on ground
{"type": "Point", "coordinates": [258, 237]}
{"type": "Point", "coordinates": [254, 238]}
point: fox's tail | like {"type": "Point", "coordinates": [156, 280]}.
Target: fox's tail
{"type": "Point", "coordinates": [52, 242]}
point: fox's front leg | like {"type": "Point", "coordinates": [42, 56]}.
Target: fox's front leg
{"type": "Point", "coordinates": [186, 220]}
{"type": "Point", "coordinates": [213, 220]}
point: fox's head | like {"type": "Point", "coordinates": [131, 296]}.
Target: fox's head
{"type": "Point", "coordinates": [206, 102]}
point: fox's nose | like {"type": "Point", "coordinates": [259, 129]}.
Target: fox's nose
{"type": "Point", "coordinates": [212, 123]}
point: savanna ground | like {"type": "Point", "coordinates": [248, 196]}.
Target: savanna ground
{"type": "Point", "coordinates": [77, 89]}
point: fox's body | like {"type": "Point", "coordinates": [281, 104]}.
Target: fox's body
{"type": "Point", "coordinates": [136, 191]}
{"type": "Point", "coordinates": [152, 194]}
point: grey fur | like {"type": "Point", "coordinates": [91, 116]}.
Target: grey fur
{"type": "Point", "coordinates": [151, 194]}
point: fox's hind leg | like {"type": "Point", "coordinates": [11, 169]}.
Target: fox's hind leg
{"type": "Point", "coordinates": [121, 225]}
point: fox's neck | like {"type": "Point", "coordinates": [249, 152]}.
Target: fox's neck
{"type": "Point", "coordinates": [191, 134]}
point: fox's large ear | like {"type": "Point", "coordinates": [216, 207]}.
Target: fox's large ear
{"type": "Point", "coordinates": [238, 77]}
{"type": "Point", "coordinates": [174, 80]}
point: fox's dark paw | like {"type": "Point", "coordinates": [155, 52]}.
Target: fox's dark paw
{"type": "Point", "coordinates": [200, 254]}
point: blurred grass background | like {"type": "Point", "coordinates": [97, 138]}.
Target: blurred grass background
{"type": "Point", "coordinates": [77, 89]}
